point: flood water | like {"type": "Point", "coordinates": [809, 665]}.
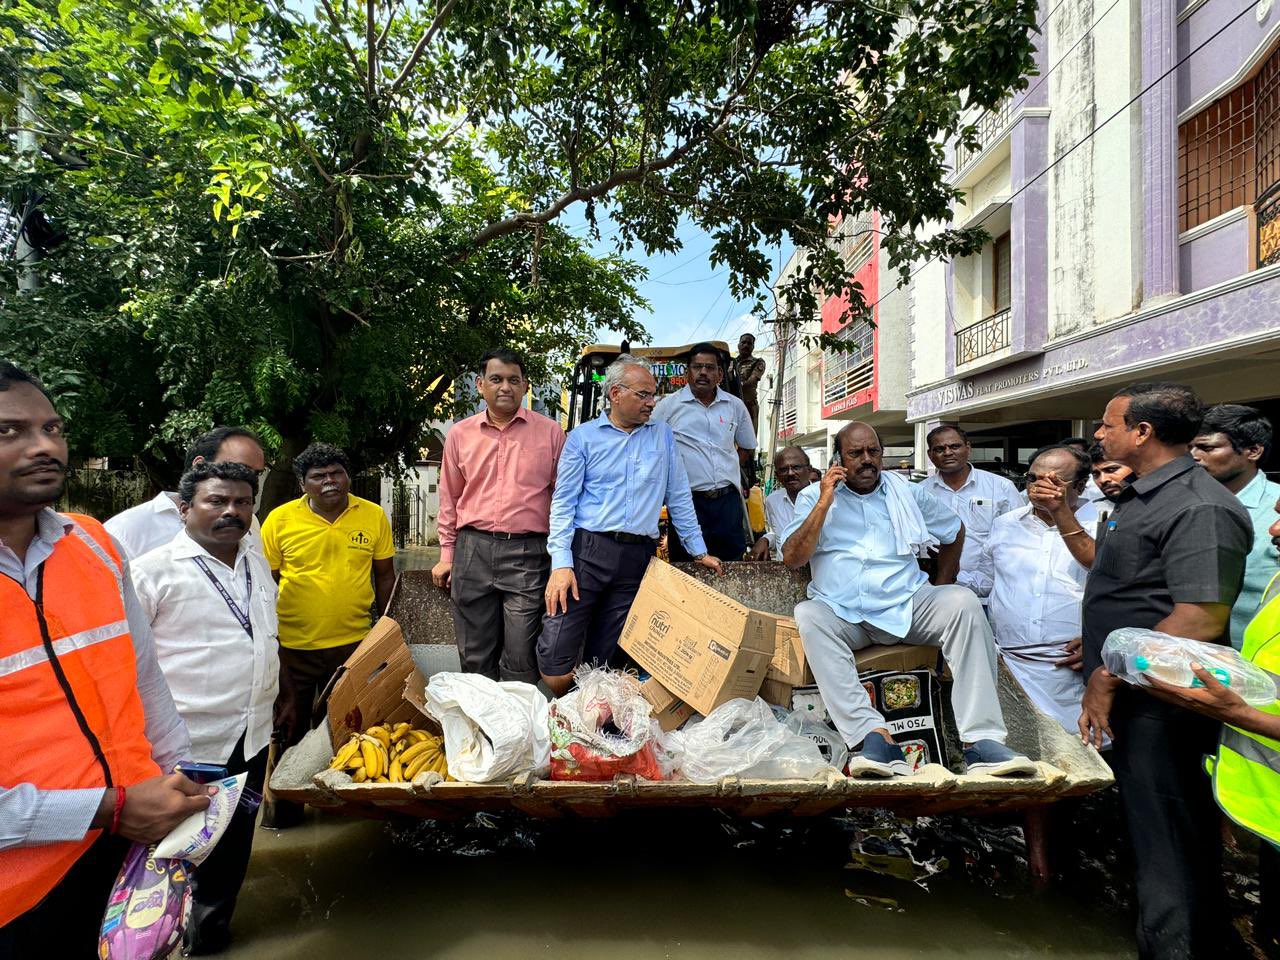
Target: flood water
{"type": "Point", "coordinates": [695, 885]}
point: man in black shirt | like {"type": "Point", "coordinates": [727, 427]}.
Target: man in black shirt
{"type": "Point", "coordinates": [1172, 560]}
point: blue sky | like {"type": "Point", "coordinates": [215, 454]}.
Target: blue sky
{"type": "Point", "coordinates": [689, 300]}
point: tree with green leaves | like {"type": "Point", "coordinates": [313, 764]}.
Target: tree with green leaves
{"type": "Point", "coordinates": [313, 222]}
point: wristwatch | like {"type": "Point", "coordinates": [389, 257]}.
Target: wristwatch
{"type": "Point", "coordinates": [697, 556]}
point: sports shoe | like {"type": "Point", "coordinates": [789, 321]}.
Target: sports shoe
{"type": "Point", "coordinates": [878, 758]}
{"type": "Point", "coordinates": [997, 760]}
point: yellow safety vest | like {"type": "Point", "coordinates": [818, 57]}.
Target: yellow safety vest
{"type": "Point", "coordinates": [1246, 771]}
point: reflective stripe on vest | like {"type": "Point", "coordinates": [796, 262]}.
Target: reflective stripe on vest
{"type": "Point", "coordinates": [77, 641]}
{"type": "Point", "coordinates": [91, 678]}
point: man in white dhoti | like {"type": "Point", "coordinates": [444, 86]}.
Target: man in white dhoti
{"type": "Point", "coordinates": [1033, 568]}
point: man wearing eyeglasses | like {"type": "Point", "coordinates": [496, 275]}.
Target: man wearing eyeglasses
{"type": "Point", "coordinates": [615, 473]}
{"type": "Point", "coordinates": [714, 434]}
{"type": "Point", "coordinates": [976, 496]}
{"type": "Point", "coordinates": [155, 523]}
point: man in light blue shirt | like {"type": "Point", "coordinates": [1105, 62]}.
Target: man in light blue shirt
{"type": "Point", "coordinates": [859, 531]}
{"type": "Point", "coordinates": [614, 475]}
{"type": "Point", "coordinates": [714, 433]}
{"type": "Point", "coordinates": [1234, 441]}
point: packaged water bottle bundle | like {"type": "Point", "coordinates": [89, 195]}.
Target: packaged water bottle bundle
{"type": "Point", "coordinates": [1136, 655]}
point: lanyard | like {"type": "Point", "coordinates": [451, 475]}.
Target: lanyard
{"type": "Point", "coordinates": [239, 614]}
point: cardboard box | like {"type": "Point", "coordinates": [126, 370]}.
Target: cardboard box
{"type": "Point", "coordinates": [788, 665]}
{"type": "Point", "coordinates": [378, 683]}
{"type": "Point", "coordinates": [776, 692]}
{"type": "Point", "coordinates": [699, 644]}
{"type": "Point", "coordinates": [668, 709]}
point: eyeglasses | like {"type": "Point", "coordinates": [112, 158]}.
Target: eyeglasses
{"type": "Point", "coordinates": [644, 396]}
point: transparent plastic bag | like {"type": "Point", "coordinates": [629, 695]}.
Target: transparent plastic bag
{"type": "Point", "coordinates": [743, 738]}
{"type": "Point", "coordinates": [603, 727]}
{"type": "Point", "coordinates": [828, 741]}
{"type": "Point", "coordinates": [1136, 655]}
{"type": "Point", "coordinates": [150, 903]}
{"type": "Point", "coordinates": [492, 731]}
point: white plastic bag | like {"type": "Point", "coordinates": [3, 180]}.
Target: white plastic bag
{"type": "Point", "coordinates": [603, 727]}
{"type": "Point", "coordinates": [492, 730]}
{"type": "Point", "coordinates": [743, 738]}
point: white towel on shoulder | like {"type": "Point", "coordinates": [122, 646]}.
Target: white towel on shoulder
{"type": "Point", "coordinates": [911, 534]}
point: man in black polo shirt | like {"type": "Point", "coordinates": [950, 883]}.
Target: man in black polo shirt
{"type": "Point", "coordinates": [1173, 561]}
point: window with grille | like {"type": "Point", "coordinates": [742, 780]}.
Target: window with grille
{"type": "Point", "coordinates": [852, 369]}
{"type": "Point", "coordinates": [1002, 267]}
{"type": "Point", "coordinates": [1229, 156]}
{"type": "Point", "coordinates": [1216, 158]}
{"type": "Point", "coordinates": [854, 240]}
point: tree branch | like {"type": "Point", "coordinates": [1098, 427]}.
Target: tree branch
{"type": "Point", "coordinates": [371, 41]}
{"type": "Point", "coordinates": [432, 29]}
{"type": "Point", "coordinates": [616, 179]}
{"type": "Point", "coordinates": [342, 35]}
{"type": "Point", "coordinates": [391, 19]}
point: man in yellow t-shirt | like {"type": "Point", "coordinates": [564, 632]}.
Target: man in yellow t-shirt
{"type": "Point", "coordinates": [331, 553]}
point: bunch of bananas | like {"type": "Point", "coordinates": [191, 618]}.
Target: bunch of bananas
{"type": "Point", "coordinates": [396, 754]}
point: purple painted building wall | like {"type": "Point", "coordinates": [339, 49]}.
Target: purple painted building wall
{"type": "Point", "coordinates": [1197, 298]}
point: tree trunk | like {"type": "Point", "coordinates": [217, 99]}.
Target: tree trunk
{"type": "Point", "coordinates": [280, 485]}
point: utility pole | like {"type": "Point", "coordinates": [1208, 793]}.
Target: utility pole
{"type": "Point", "coordinates": [775, 415]}
{"type": "Point", "coordinates": [28, 255]}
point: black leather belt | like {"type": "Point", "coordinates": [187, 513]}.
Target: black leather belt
{"type": "Point", "coordinates": [716, 493]}
{"type": "Point", "coordinates": [622, 537]}
{"type": "Point", "coordinates": [500, 535]}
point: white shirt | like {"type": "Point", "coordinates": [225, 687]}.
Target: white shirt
{"type": "Point", "coordinates": [779, 508]}
{"type": "Point", "coordinates": [708, 436]}
{"type": "Point", "coordinates": [1035, 588]}
{"type": "Point", "coordinates": [981, 498]}
{"type": "Point", "coordinates": [223, 682]}
{"type": "Point", "coordinates": [153, 524]}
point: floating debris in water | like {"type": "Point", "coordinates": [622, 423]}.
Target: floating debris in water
{"type": "Point", "coordinates": [883, 903]}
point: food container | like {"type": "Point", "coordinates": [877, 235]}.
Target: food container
{"type": "Point", "coordinates": [916, 752]}
{"type": "Point", "coordinates": [807, 701]}
{"type": "Point", "coordinates": [899, 691]}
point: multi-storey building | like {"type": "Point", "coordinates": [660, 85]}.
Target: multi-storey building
{"type": "Point", "coordinates": [824, 388]}
{"type": "Point", "coordinates": [1132, 194]}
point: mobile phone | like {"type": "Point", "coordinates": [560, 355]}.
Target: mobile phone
{"type": "Point", "coordinates": [201, 772]}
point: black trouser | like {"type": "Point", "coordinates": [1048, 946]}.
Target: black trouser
{"type": "Point", "coordinates": [66, 923]}
{"type": "Point", "coordinates": [608, 575]}
{"type": "Point", "coordinates": [303, 676]}
{"type": "Point", "coordinates": [723, 526]}
{"type": "Point", "coordinates": [497, 594]}
{"type": "Point", "coordinates": [216, 882]}
{"type": "Point", "coordinates": [1174, 826]}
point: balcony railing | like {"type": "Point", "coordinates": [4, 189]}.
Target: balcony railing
{"type": "Point", "coordinates": [989, 126]}
{"type": "Point", "coordinates": [983, 338]}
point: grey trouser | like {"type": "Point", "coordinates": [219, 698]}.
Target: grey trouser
{"type": "Point", "coordinates": [949, 617]}
{"type": "Point", "coordinates": [496, 594]}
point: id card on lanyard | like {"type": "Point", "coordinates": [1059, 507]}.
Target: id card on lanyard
{"type": "Point", "coordinates": [242, 617]}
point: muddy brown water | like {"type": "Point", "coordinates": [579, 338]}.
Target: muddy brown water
{"type": "Point", "coordinates": [685, 885]}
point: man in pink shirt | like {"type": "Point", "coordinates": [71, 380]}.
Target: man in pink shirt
{"type": "Point", "coordinates": [496, 481]}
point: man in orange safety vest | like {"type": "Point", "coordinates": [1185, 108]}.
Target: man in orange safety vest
{"type": "Point", "coordinates": [90, 731]}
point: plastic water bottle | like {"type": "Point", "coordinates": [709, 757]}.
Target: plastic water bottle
{"type": "Point", "coordinates": [1136, 655]}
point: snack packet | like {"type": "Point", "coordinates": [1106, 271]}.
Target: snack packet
{"type": "Point", "coordinates": [150, 904]}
